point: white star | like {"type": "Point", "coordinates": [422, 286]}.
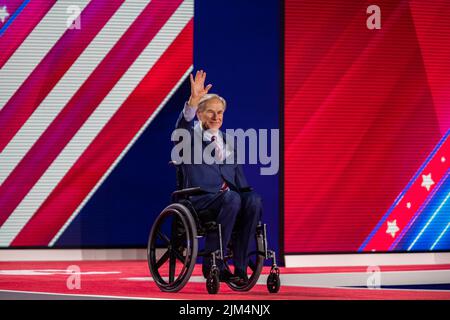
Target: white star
{"type": "Point", "coordinates": [3, 14]}
{"type": "Point", "coordinates": [427, 182]}
{"type": "Point", "coordinates": [443, 159]}
{"type": "Point", "coordinates": [408, 205]}
{"type": "Point", "coordinates": [392, 228]}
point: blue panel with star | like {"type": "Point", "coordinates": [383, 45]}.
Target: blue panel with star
{"type": "Point", "coordinates": [430, 229]}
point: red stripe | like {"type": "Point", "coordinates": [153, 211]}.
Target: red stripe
{"type": "Point", "coordinates": [101, 153]}
{"type": "Point", "coordinates": [21, 27]}
{"type": "Point", "coordinates": [84, 102]}
{"type": "Point", "coordinates": [51, 69]}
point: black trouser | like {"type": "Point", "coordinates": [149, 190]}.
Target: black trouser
{"type": "Point", "coordinates": [238, 211]}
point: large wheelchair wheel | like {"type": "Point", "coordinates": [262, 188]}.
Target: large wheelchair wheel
{"type": "Point", "coordinates": [256, 259]}
{"type": "Point", "coordinates": [174, 233]}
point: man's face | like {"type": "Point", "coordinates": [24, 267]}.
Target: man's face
{"type": "Point", "coordinates": [212, 116]}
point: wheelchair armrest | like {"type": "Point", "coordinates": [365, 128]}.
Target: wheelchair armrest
{"type": "Point", "coordinates": [184, 193]}
{"type": "Point", "coordinates": [246, 189]}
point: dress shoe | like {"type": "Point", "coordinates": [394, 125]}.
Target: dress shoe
{"type": "Point", "coordinates": [242, 277]}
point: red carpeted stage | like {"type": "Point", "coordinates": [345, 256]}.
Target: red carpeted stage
{"type": "Point", "coordinates": [131, 280]}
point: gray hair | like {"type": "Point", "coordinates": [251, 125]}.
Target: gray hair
{"type": "Point", "coordinates": [210, 96]}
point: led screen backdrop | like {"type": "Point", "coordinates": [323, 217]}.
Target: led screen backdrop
{"type": "Point", "coordinates": [366, 126]}
{"type": "Point", "coordinates": [90, 91]}
{"type": "Point", "coordinates": [80, 80]}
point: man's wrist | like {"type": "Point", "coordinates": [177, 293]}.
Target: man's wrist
{"type": "Point", "coordinates": [193, 102]}
{"type": "Point", "coordinates": [189, 112]}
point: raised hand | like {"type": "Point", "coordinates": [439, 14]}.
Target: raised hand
{"type": "Point", "coordinates": [198, 89]}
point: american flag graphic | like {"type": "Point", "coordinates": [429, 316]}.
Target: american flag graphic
{"type": "Point", "coordinates": [364, 110]}
{"type": "Point", "coordinates": [419, 218]}
{"type": "Point", "coordinates": [80, 80]}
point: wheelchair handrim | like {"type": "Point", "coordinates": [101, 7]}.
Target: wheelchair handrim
{"type": "Point", "coordinates": [191, 249]}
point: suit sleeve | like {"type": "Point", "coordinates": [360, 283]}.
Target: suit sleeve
{"type": "Point", "coordinates": [239, 176]}
{"type": "Point", "coordinates": [240, 179]}
{"type": "Point", "coordinates": [186, 118]}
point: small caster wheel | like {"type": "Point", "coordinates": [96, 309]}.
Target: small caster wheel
{"type": "Point", "coordinates": [273, 281]}
{"type": "Point", "coordinates": [212, 282]}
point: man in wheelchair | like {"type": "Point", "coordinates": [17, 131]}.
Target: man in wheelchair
{"type": "Point", "coordinates": [212, 201]}
{"type": "Point", "coordinates": [226, 192]}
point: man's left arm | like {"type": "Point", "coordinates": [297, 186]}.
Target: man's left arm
{"type": "Point", "coordinates": [240, 179]}
{"type": "Point", "coordinates": [239, 175]}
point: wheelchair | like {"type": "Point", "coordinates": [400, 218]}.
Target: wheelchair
{"type": "Point", "coordinates": [173, 246]}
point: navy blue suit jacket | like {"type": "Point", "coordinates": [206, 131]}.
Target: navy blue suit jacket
{"type": "Point", "coordinates": [210, 177]}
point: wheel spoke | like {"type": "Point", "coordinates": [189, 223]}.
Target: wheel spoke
{"type": "Point", "coordinates": [162, 260]}
{"type": "Point", "coordinates": [172, 265]}
{"type": "Point", "coordinates": [163, 237]}
{"type": "Point", "coordinates": [179, 256]}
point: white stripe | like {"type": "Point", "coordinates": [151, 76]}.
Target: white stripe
{"type": "Point", "coordinates": [98, 119]}
{"type": "Point", "coordinates": [342, 279]}
{"type": "Point", "coordinates": [82, 295]}
{"type": "Point", "coordinates": [66, 88]}
{"type": "Point", "coordinates": [387, 278]}
{"type": "Point", "coordinates": [34, 48]}
{"type": "Point", "coordinates": [99, 183]}
{"type": "Point", "coordinates": [72, 254]}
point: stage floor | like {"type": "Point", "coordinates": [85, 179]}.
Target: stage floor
{"type": "Point", "coordinates": [131, 280]}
